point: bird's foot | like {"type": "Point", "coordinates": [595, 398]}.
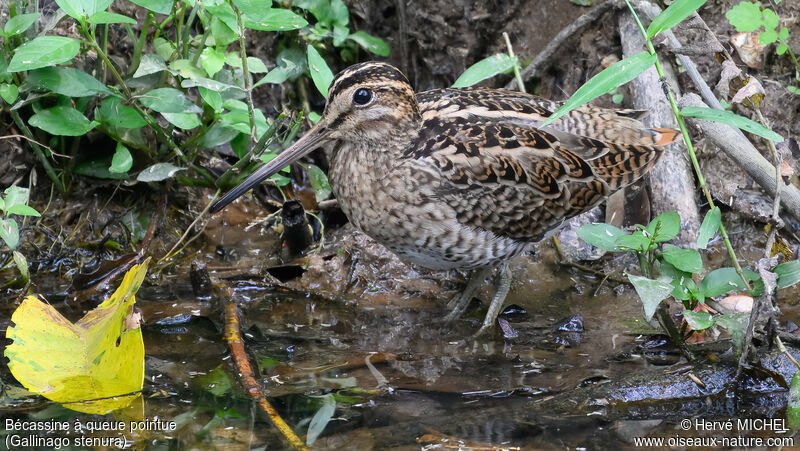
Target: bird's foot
{"type": "Point", "coordinates": [502, 285]}
{"type": "Point", "coordinates": [460, 303]}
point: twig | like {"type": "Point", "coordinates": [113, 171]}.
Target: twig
{"type": "Point", "coordinates": [246, 75]}
{"type": "Point", "coordinates": [171, 252]}
{"type": "Point", "coordinates": [545, 56]}
{"type": "Point", "coordinates": [246, 376]}
{"type": "Point", "coordinates": [48, 169]}
{"type": "Point", "coordinates": [52, 152]}
{"type": "Point", "coordinates": [517, 75]}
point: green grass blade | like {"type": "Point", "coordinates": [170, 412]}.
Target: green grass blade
{"type": "Point", "coordinates": [606, 81]}
{"type": "Point", "coordinates": [485, 68]}
{"type": "Point", "coordinates": [734, 120]}
{"type": "Point", "coordinates": [673, 15]}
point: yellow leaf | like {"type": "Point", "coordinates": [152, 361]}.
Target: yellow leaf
{"type": "Point", "coordinates": [95, 365]}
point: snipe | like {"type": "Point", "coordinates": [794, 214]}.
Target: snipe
{"type": "Point", "coordinates": [465, 178]}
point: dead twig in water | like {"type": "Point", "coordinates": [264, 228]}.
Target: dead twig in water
{"type": "Point", "coordinates": [246, 376]}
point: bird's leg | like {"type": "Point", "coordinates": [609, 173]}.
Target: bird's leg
{"type": "Point", "coordinates": [460, 303]}
{"type": "Point", "coordinates": [502, 285]}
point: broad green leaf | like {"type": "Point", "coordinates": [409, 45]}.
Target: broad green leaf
{"type": "Point", "coordinates": [99, 169]}
{"type": "Point", "coordinates": [670, 225]}
{"type": "Point", "coordinates": [184, 121]}
{"type": "Point", "coordinates": [158, 172]}
{"type": "Point", "coordinates": [23, 210]}
{"type": "Point", "coordinates": [150, 64]}
{"type": "Point", "coordinates": [16, 195]}
{"type": "Point", "coordinates": [212, 60]}
{"type": "Point", "coordinates": [603, 236]}
{"type": "Point", "coordinates": [698, 320]}
{"type": "Point", "coordinates": [157, 6]}
{"type": "Point", "coordinates": [218, 135]}
{"type": "Point", "coordinates": [635, 242]}
{"type": "Point", "coordinates": [651, 292]}
{"type": "Point", "coordinates": [770, 19]}
{"type": "Point", "coordinates": [122, 161]}
{"type": "Point", "coordinates": [723, 280]}
{"type": "Point", "coordinates": [217, 382]}
{"type": "Point", "coordinates": [73, 8]}
{"type": "Point", "coordinates": [736, 325]}
{"type": "Point", "coordinates": [321, 419]}
{"type": "Point", "coordinates": [275, 76]}
{"type": "Point", "coordinates": [485, 68]}
{"type": "Point", "coordinates": [606, 81]}
{"type": "Point", "coordinates": [274, 19]}
{"type": "Point", "coordinates": [321, 74]}
{"type": "Point", "coordinates": [788, 273]}
{"type": "Point", "coordinates": [62, 121]}
{"type": "Point", "coordinates": [682, 281]}
{"type": "Point", "coordinates": [252, 7]}
{"type": "Point", "coordinates": [113, 113]}
{"type": "Point", "coordinates": [688, 260]}
{"type": "Point", "coordinates": [44, 51]}
{"type": "Point", "coordinates": [734, 120]}
{"type": "Point", "coordinates": [254, 65]}
{"type": "Point", "coordinates": [793, 404]}
{"type": "Point", "coordinates": [340, 16]}
{"type": "Point", "coordinates": [168, 100]}
{"type": "Point", "coordinates": [9, 232]}
{"type": "Point", "coordinates": [319, 181]}
{"type": "Point", "coordinates": [100, 358]}
{"type": "Point", "coordinates": [673, 15]}
{"type": "Point", "coordinates": [186, 69]}
{"type": "Point", "coordinates": [371, 43]}
{"type": "Point", "coordinates": [709, 227]}
{"type": "Point", "coordinates": [9, 92]}
{"type": "Point", "coordinates": [66, 81]}
{"type": "Point", "coordinates": [164, 48]}
{"type": "Point", "coordinates": [102, 17]}
{"type": "Point", "coordinates": [746, 16]}
{"type": "Point", "coordinates": [208, 83]}
{"type": "Point", "coordinates": [19, 23]}
{"type": "Point", "coordinates": [212, 98]}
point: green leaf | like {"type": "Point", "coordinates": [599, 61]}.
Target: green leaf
{"type": "Point", "coordinates": [66, 81]}
{"type": "Point", "coordinates": [634, 242]}
{"type": "Point", "coordinates": [788, 273]}
{"type": "Point", "coordinates": [321, 419]}
{"type": "Point", "coordinates": [340, 16]}
{"type": "Point", "coordinates": [158, 172]}
{"type": "Point", "coordinates": [767, 37]}
{"type": "Point", "coordinates": [606, 81]}
{"type": "Point", "coordinates": [212, 98]}
{"type": "Point", "coordinates": [99, 169]}
{"type": "Point", "coordinates": [168, 100]}
{"type": "Point", "coordinates": [164, 48]}
{"type": "Point", "coordinates": [603, 236]}
{"type": "Point", "coordinates": [688, 260]}
{"type": "Point", "coordinates": [709, 227]}
{"type": "Point", "coordinates": [9, 232]}
{"type": "Point", "coordinates": [217, 382]}
{"type": "Point", "coordinates": [684, 285]}
{"type": "Point", "coordinates": [9, 92]}
{"type": "Point", "coordinates": [734, 120]}
{"type": "Point", "coordinates": [485, 68]}
{"type": "Point", "coordinates": [673, 15]}
{"type": "Point", "coordinates": [212, 60]}
{"type": "Point", "coordinates": [62, 121]}
{"type": "Point", "coordinates": [651, 292]}
{"type": "Point", "coordinates": [73, 8]}
{"type": "Point", "coordinates": [723, 280]}
{"type": "Point", "coordinates": [16, 195]}
{"type": "Point", "coordinates": [186, 69]}
{"type": "Point", "coordinates": [113, 113]}
{"type": "Point", "coordinates": [122, 161]}
{"type": "Point", "coordinates": [103, 17]}
{"type": "Point", "coordinates": [319, 181]}
{"type": "Point", "coordinates": [736, 325]}
{"type": "Point", "coordinates": [670, 225]}
{"type": "Point", "coordinates": [698, 320]}
{"type": "Point", "coordinates": [184, 121]}
{"type": "Point", "coordinates": [275, 19]}
{"type": "Point", "coordinates": [157, 6]}
{"type": "Point", "coordinates": [22, 266]}
{"type": "Point", "coordinates": [18, 24]}
{"type": "Point", "coordinates": [150, 64]}
{"type": "Point", "coordinates": [252, 7]}
{"type": "Point", "coordinates": [321, 74]}
{"type": "Point", "coordinates": [770, 19]}
{"type": "Point", "coordinates": [44, 51]}
{"type": "Point", "coordinates": [100, 358]}
{"type": "Point", "coordinates": [793, 404]}
{"type": "Point", "coordinates": [371, 43]}
{"type": "Point", "coordinates": [23, 210]}
{"type": "Point", "coordinates": [746, 16]}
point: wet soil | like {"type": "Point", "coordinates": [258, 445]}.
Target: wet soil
{"type": "Point", "coordinates": [575, 365]}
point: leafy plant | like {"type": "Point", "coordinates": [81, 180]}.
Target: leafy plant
{"type": "Point", "coordinates": [678, 268]}
{"type": "Point", "coordinates": [15, 202]}
{"type": "Point", "coordinates": [750, 16]}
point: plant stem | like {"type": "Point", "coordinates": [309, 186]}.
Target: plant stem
{"type": "Point", "coordinates": [48, 169]}
{"type": "Point", "coordinates": [139, 45]}
{"type": "Point", "coordinates": [246, 75]}
{"type": "Point", "coordinates": [517, 74]}
{"type": "Point", "coordinates": [688, 141]}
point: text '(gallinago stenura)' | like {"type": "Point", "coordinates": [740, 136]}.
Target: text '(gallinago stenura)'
{"type": "Point", "coordinates": [465, 178]}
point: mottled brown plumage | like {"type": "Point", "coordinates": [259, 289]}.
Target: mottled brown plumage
{"type": "Point", "coordinates": [465, 178]}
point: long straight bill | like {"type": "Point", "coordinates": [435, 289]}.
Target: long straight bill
{"type": "Point", "coordinates": [317, 136]}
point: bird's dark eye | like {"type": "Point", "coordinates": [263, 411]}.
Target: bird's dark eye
{"type": "Point", "coordinates": [362, 96]}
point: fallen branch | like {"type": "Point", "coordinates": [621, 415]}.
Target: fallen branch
{"type": "Point", "coordinates": [246, 376]}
